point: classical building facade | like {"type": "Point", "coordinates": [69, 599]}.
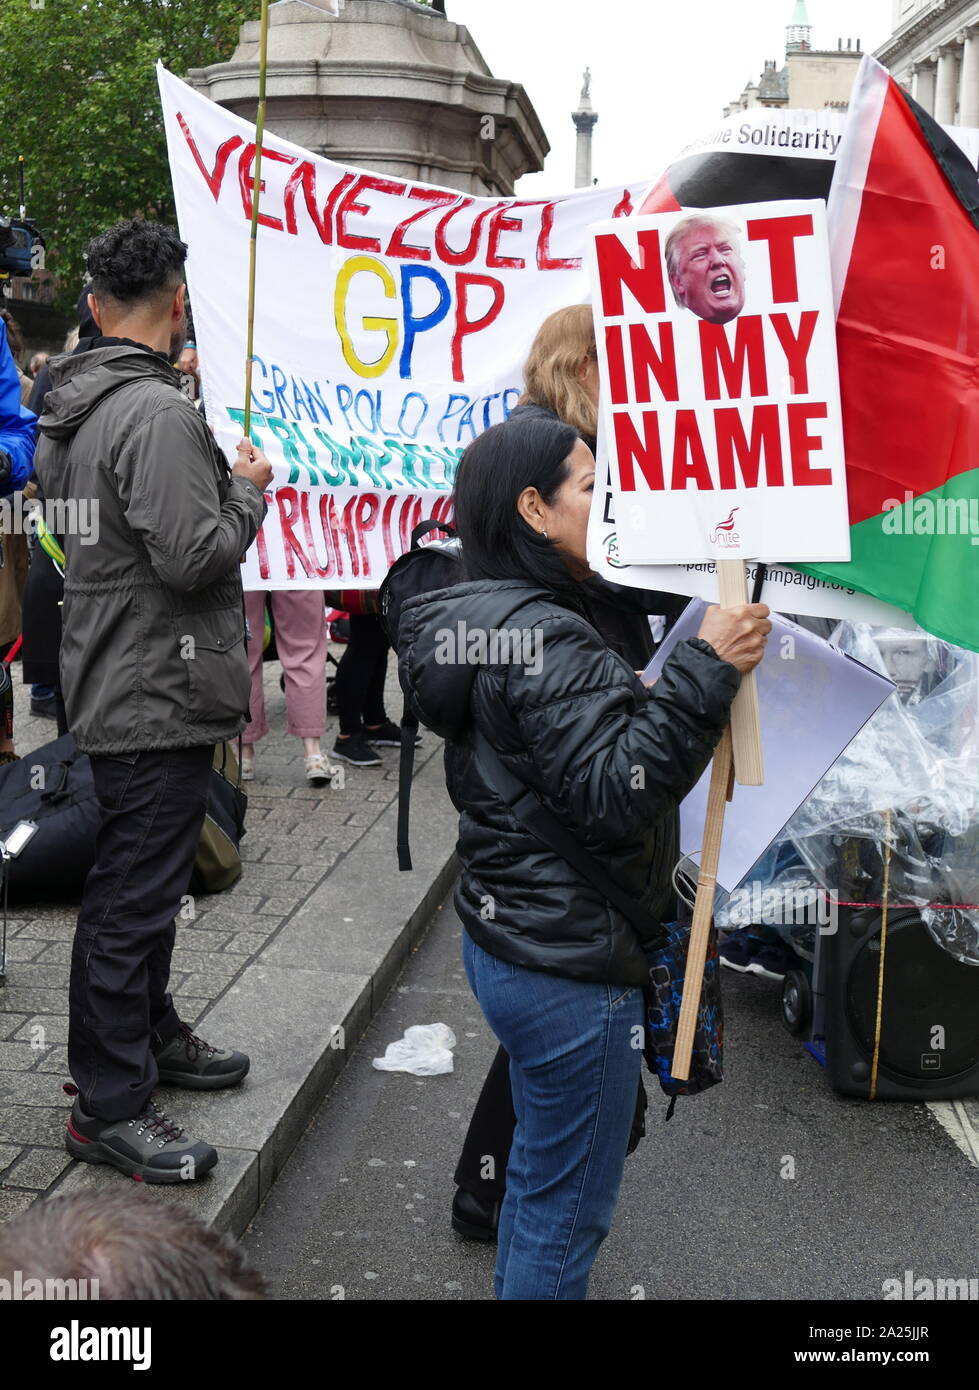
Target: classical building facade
{"type": "Point", "coordinates": [810, 78]}
{"type": "Point", "coordinates": [934, 53]}
{"type": "Point", "coordinates": [389, 85]}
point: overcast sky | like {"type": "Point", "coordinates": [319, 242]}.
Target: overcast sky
{"type": "Point", "coordinates": [662, 70]}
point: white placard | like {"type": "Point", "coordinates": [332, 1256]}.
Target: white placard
{"type": "Point", "coordinates": [720, 390]}
{"type": "Point", "coordinates": [814, 700]}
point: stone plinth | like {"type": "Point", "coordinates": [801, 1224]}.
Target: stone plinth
{"type": "Point", "coordinates": [389, 85]}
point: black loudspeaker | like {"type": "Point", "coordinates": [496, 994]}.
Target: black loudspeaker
{"type": "Point", "coordinates": [929, 1036]}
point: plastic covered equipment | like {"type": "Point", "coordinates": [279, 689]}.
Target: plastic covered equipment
{"type": "Point", "coordinates": [909, 779]}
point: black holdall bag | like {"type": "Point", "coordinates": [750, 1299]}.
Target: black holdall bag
{"type": "Point", "coordinates": [53, 787]}
{"type": "Point", "coordinates": [218, 862]}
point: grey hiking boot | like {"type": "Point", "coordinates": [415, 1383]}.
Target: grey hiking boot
{"type": "Point", "coordinates": [150, 1148]}
{"type": "Point", "coordinates": [189, 1061]}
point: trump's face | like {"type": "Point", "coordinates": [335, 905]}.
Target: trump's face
{"type": "Point", "coordinates": [709, 274]}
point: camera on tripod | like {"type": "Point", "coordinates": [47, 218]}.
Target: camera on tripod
{"type": "Point", "coordinates": [21, 247]}
{"type": "Point", "coordinates": [21, 244]}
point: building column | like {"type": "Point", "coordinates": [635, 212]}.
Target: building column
{"type": "Point", "coordinates": [947, 85]}
{"type": "Point", "coordinates": [923, 86]}
{"type": "Point", "coordinates": [969, 86]}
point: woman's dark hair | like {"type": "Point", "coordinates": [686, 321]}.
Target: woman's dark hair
{"type": "Point", "coordinates": [494, 470]}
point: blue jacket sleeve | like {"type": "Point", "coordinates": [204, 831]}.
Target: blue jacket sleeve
{"type": "Point", "coordinates": [18, 425]}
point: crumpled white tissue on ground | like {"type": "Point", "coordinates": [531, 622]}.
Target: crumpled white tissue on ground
{"type": "Point", "coordinates": [425, 1050]}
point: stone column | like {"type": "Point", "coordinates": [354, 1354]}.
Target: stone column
{"type": "Point", "coordinates": [584, 124]}
{"type": "Point", "coordinates": [947, 85]}
{"type": "Point", "coordinates": [923, 86]}
{"type": "Point", "coordinates": [969, 86]}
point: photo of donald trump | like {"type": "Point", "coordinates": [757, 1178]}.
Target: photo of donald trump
{"type": "Point", "coordinates": [705, 268]}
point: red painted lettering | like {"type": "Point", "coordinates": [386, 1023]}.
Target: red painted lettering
{"type": "Point", "coordinates": [397, 246]}
{"type": "Point", "coordinates": [796, 346]}
{"type": "Point", "coordinates": [689, 458]}
{"type": "Point", "coordinates": [349, 206]}
{"type": "Point", "coordinates": [215, 178]}
{"type": "Point", "coordinates": [644, 279]}
{"type": "Point", "coordinates": [630, 450]}
{"type": "Point", "coordinates": [749, 351]}
{"type": "Point", "coordinates": [802, 444]}
{"type": "Point", "coordinates": [464, 325]}
{"type": "Point", "coordinates": [545, 261]}
{"type": "Point", "coordinates": [246, 179]}
{"type": "Point", "coordinates": [735, 450]}
{"type": "Point", "coordinates": [781, 234]}
{"type": "Point", "coordinates": [304, 177]}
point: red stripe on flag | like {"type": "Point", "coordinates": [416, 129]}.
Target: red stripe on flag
{"type": "Point", "coordinates": [660, 198]}
{"type": "Point", "coordinates": [908, 326]}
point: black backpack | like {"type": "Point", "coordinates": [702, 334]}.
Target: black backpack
{"type": "Point", "coordinates": [421, 570]}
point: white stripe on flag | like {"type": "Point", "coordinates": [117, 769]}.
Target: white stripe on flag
{"type": "Point", "coordinates": [852, 162]}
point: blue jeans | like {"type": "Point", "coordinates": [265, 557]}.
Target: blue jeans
{"type": "Point", "coordinates": [575, 1059]}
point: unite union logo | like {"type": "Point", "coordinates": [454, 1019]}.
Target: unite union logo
{"type": "Point", "coordinates": [724, 532]}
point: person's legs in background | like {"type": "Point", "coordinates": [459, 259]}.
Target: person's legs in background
{"type": "Point", "coordinates": [299, 616]}
{"type": "Point", "coordinates": [481, 1171]}
{"type": "Point", "coordinates": [257, 726]}
{"type": "Point", "coordinates": [360, 690]}
{"type": "Point", "coordinates": [575, 1067]}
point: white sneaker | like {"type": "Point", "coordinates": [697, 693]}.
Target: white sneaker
{"type": "Point", "coordinates": [247, 769]}
{"type": "Point", "coordinates": [320, 773]}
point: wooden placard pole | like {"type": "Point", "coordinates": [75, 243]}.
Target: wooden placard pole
{"type": "Point", "coordinates": [740, 747]}
{"type": "Point", "coordinates": [693, 978]}
{"type": "Point", "coordinates": [749, 767]}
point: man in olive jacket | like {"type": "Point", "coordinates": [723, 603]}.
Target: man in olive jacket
{"type": "Point", "coordinates": [154, 673]}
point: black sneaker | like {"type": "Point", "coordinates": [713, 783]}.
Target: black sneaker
{"type": "Point", "coordinates": [189, 1061]}
{"type": "Point", "coordinates": [386, 735]}
{"type": "Point", "coordinates": [150, 1148]}
{"type": "Point", "coordinates": [357, 751]}
{"type": "Point", "coordinates": [44, 709]}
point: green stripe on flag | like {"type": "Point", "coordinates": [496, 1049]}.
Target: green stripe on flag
{"type": "Point", "coordinates": [922, 556]}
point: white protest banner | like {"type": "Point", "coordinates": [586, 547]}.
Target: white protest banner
{"type": "Point", "coordinates": [392, 322]}
{"type": "Point", "coordinates": [720, 401]}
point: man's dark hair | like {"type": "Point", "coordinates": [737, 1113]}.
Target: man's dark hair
{"type": "Point", "coordinates": [135, 1245]}
{"type": "Point", "coordinates": [494, 470]}
{"type": "Point", "coordinates": [135, 261]}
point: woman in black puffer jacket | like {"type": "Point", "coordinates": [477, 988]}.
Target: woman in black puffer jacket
{"type": "Point", "coordinates": [556, 969]}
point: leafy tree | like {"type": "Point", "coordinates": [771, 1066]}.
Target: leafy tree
{"type": "Point", "coordinates": [79, 99]}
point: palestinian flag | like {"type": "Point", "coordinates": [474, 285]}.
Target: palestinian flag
{"type": "Point", "coordinates": [904, 231]}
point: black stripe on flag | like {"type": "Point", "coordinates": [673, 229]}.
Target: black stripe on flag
{"type": "Point", "coordinates": [723, 178]}
{"type": "Point", "coordinates": [954, 162]}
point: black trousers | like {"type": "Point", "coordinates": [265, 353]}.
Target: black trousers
{"type": "Point", "coordinates": [119, 1007]}
{"type": "Point", "coordinates": [482, 1164]}
{"type": "Point", "coordinates": [361, 674]}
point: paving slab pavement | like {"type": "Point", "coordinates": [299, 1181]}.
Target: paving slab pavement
{"type": "Point", "coordinates": [289, 965]}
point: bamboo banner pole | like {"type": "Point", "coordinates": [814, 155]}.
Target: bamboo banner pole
{"type": "Point", "coordinates": [263, 60]}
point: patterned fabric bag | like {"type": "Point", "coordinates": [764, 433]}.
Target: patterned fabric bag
{"type": "Point", "coordinates": [664, 993]}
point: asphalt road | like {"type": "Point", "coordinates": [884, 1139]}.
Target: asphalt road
{"type": "Point", "coordinates": [362, 1208]}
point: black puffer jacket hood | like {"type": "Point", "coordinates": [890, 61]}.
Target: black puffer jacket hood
{"type": "Point", "coordinates": [611, 760]}
{"type": "Point", "coordinates": [436, 636]}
